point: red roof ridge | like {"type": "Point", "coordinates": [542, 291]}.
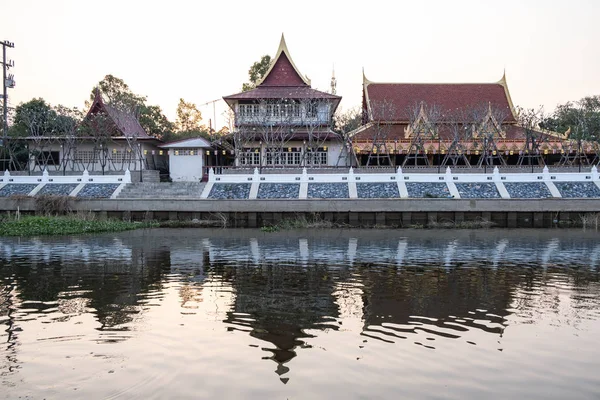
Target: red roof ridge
{"type": "Point", "coordinates": [501, 82]}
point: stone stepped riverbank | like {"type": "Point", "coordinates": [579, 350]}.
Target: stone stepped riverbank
{"type": "Point", "coordinates": [163, 190]}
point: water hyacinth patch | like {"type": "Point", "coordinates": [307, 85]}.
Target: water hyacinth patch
{"type": "Point", "coordinates": [69, 225]}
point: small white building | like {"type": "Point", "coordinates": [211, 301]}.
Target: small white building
{"type": "Point", "coordinates": [187, 159]}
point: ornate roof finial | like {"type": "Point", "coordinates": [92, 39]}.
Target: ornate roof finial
{"type": "Point", "coordinates": [365, 80]}
{"type": "Point", "coordinates": [333, 81]}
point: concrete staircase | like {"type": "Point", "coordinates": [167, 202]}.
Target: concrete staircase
{"type": "Point", "coordinates": [162, 190]}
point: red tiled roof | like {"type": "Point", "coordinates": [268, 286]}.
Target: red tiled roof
{"type": "Point", "coordinates": [298, 134]}
{"type": "Point", "coordinates": [126, 123]}
{"type": "Point", "coordinates": [283, 73]}
{"type": "Point", "coordinates": [282, 92]}
{"type": "Point", "coordinates": [449, 97]}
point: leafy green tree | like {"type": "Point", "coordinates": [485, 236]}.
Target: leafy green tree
{"type": "Point", "coordinates": [580, 118]}
{"type": "Point", "coordinates": [118, 94]}
{"type": "Point", "coordinates": [155, 122]}
{"type": "Point", "coordinates": [189, 118]}
{"type": "Point", "coordinates": [256, 72]}
{"type": "Point", "coordinates": [36, 118]}
{"type": "Point", "coordinates": [346, 121]}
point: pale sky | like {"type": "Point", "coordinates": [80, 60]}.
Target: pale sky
{"type": "Point", "coordinates": [201, 50]}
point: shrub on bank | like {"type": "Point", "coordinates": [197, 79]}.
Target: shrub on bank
{"type": "Point", "coordinates": [68, 225]}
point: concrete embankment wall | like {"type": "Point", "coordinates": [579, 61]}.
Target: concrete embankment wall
{"type": "Point", "coordinates": [511, 213]}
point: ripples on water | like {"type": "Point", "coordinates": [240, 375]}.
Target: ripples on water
{"type": "Point", "coordinates": [343, 314]}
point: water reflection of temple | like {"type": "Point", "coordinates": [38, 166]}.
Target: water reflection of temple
{"type": "Point", "coordinates": [436, 301]}
{"type": "Point", "coordinates": [287, 289]}
{"type": "Point", "coordinates": [279, 304]}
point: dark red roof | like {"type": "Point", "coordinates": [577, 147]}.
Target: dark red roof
{"type": "Point", "coordinates": [283, 73]}
{"type": "Point", "coordinates": [282, 92]}
{"type": "Point", "coordinates": [126, 123]}
{"type": "Point", "coordinates": [450, 97]}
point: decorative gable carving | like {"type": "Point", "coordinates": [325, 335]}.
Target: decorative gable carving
{"type": "Point", "coordinates": [489, 127]}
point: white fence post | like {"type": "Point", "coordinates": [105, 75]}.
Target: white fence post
{"type": "Point", "coordinates": [496, 175]}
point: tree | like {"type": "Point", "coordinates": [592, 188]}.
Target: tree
{"type": "Point", "coordinates": [67, 125]}
{"type": "Point", "coordinates": [424, 125]}
{"type": "Point", "coordinates": [458, 125]}
{"type": "Point", "coordinates": [529, 119]}
{"type": "Point", "coordinates": [189, 118]}
{"type": "Point", "coordinates": [155, 123]}
{"type": "Point", "coordinates": [100, 128]}
{"type": "Point", "coordinates": [13, 153]}
{"type": "Point", "coordinates": [118, 93]}
{"type": "Point", "coordinates": [488, 127]}
{"type": "Point", "coordinates": [345, 122]}
{"type": "Point", "coordinates": [316, 120]}
{"type": "Point", "coordinates": [579, 122]}
{"type": "Point", "coordinates": [36, 120]}
{"type": "Point", "coordinates": [256, 72]}
{"type": "Point", "coordinates": [581, 118]}
{"type": "Point", "coordinates": [381, 125]}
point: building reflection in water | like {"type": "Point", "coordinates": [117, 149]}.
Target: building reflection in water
{"type": "Point", "coordinates": [287, 289]}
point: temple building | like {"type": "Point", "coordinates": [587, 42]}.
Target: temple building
{"type": "Point", "coordinates": [283, 121]}
{"type": "Point", "coordinates": [448, 124]}
{"type": "Point", "coordinates": [107, 140]}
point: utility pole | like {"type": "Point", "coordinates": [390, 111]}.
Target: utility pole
{"type": "Point", "coordinates": [214, 111]}
{"type": "Point", "coordinates": [7, 82]}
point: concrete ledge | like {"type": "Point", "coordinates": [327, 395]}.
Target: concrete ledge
{"type": "Point", "coordinates": [339, 205]}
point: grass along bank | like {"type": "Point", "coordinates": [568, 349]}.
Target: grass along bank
{"type": "Point", "coordinates": [65, 225]}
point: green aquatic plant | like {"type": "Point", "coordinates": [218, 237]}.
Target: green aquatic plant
{"type": "Point", "coordinates": [67, 225]}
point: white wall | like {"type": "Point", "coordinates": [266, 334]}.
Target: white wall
{"type": "Point", "coordinates": [333, 152]}
{"type": "Point", "coordinates": [186, 168]}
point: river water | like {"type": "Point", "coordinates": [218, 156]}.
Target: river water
{"type": "Point", "coordinates": [352, 314]}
